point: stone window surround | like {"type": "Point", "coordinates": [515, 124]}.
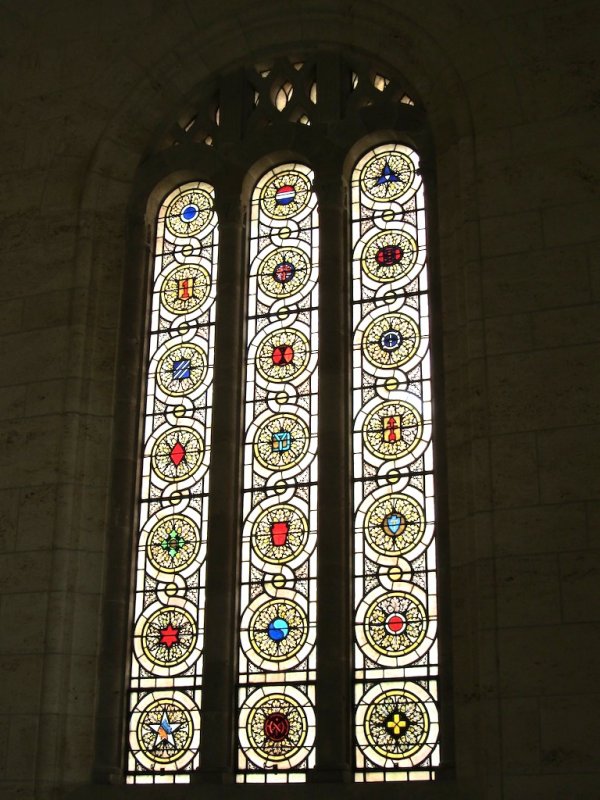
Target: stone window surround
{"type": "Point", "coordinates": [330, 147]}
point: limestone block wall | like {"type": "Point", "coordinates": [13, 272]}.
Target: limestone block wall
{"type": "Point", "coordinates": [512, 95]}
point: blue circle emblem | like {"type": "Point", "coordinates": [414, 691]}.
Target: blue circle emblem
{"type": "Point", "coordinates": [278, 629]}
{"type": "Point", "coordinates": [189, 213]}
{"type": "Point", "coordinates": [391, 340]}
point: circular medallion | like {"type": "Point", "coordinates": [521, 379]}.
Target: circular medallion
{"type": "Point", "coordinates": [279, 534]}
{"type": "Point", "coordinates": [177, 454]}
{"type": "Point", "coordinates": [188, 249]}
{"type": "Point", "coordinates": [278, 629]}
{"type": "Point", "coordinates": [278, 582]}
{"type": "Point", "coordinates": [395, 573]}
{"type": "Point", "coordinates": [283, 272]}
{"type": "Point", "coordinates": [165, 731]}
{"type": "Point", "coordinates": [173, 543]}
{"type": "Point", "coordinates": [394, 525]}
{"type": "Point", "coordinates": [387, 176]}
{"type": "Point", "coordinates": [398, 725]}
{"type": "Point", "coordinates": [395, 624]}
{"type": "Point", "coordinates": [391, 340]}
{"type": "Point", "coordinates": [181, 369]}
{"type": "Point", "coordinates": [276, 728]}
{"type": "Point", "coordinates": [393, 429]}
{"type": "Point", "coordinates": [169, 637]}
{"type": "Point", "coordinates": [185, 289]}
{"type": "Point", "coordinates": [285, 194]}
{"type": "Point", "coordinates": [281, 442]}
{"type": "Point", "coordinates": [389, 256]}
{"type": "Point", "coordinates": [189, 213]}
{"type": "Point", "coordinates": [283, 355]}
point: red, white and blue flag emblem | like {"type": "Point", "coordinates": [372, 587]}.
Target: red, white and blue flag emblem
{"type": "Point", "coordinates": [284, 195]}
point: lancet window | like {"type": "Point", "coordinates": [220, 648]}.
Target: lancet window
{"type": "Point", "coordinates": [385, 580]}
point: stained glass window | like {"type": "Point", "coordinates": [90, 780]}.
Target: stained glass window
{"type": "Point", "coordinates": [166, 663]}
{"type": "Point", "coordinates": [396, 663]}
{"type": "Point", "coordinates": [278, 548]}
{"type": "Point", "coordinates": [264, 688]}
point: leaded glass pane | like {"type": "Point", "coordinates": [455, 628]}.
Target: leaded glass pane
{"type": "Point", "coordinates": [166, 663]}
{"type": "Point", "coordinates": [278, 547]}
{"type": "Point", "coordinates": [395, 657]}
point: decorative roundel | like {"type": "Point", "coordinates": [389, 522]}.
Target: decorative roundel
{"type": "Point", "coordinates": [165, 731]}
{"type": "Point", "coordinates": [398, 724]}
{"type": "Point", "coordinates": [394, 525]}
{"type": "Point", "coordinates": [185, 289]}
{"type": "Point", "coordinates": [395, 624]}
{"type": "Point", "coordinates": [278, 629]}
{"type": "Point", "coordinates": [181, 369]}
{"type": "Point", "coordinates": [177, 454]}
{"type": "Point", "coordinates": [281, 442]}
{"type": "Point", "coordinates": [189, 213]}
{"type": "Point", "coordinates": [393, 429]}
{"type": "Point", "coordinates": [285, 195]}
{"type": "Point", "coordinates": [391, 340]}
{"type": "Point", "coordinates": [283, 272]}
{"type": "Point", "coordinates": [169, 636]}
{"type": "Point", "coordinates": [279, 534]}
{"type": "Point", "coordinates": [283, 355]}
{"type": "Point", "coordinates": [276, 727]}
{"type": "Point", "coordinates": [389, 256]}
{"type": "Point", "coordinates": [387, 176]}
{"type": "Point", "coordinates": [173, 543]}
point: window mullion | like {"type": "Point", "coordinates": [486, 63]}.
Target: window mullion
{"type": "Point", "coordinates": [333, 622]}
{"type": "Point", "coordinates": [218, 717]}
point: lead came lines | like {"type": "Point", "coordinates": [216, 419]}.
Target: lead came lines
{"type": "Point", "coordinates": [395, 583]}
{"type": "Point", "coordinates": [278, 549]}
{"type": "Point", "coordinates": [166, 674]}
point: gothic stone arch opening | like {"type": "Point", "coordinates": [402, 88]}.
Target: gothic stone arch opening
{"type": "Point", "coordinates": [324, 112]}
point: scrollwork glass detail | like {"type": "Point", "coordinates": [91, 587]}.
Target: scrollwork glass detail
{"type": "Point", "coordinates": [278, 549]}
{"type": "Point", "coordinates": [165, 691]}
{"type": "Point", "coordinates": [395, 658]}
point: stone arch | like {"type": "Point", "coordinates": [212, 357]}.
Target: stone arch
{"type": "Point", "coordinates": [124, 142]}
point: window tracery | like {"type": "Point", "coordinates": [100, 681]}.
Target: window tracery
{"type": "Point", "coordinates": [274, 686]}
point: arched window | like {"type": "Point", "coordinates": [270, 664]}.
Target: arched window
{"type": "Point", "coordinates": [395, 660]}
{"type": "Point", "coordinates": [278, 586]}
{"type": "Point", "coordinates": [166, 664]}
{"type": "Point", "coordinates": [285, 611]}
